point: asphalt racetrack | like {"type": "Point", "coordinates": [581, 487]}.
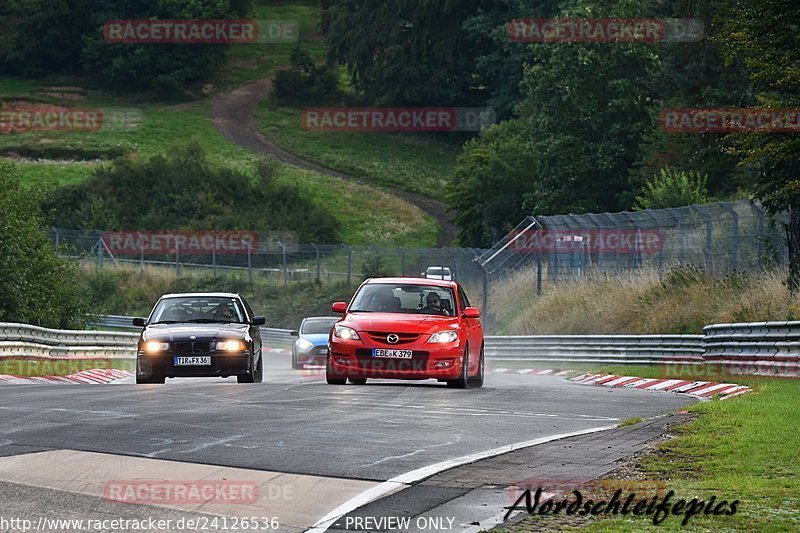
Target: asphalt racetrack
{"type": "Point", "coordinates": [316, 451]}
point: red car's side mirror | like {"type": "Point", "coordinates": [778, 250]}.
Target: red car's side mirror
{"type": "Point", "coordinates": [339, 307]}
{"type": "Point", "coordinates": [472, 312]}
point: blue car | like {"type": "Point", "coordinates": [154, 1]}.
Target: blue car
{"type": "Point", "coordinates": [311, 345]}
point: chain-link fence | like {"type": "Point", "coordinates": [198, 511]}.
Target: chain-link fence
{"type": "Point", "coordinates": [259, 256]}
{"type": "Point", "coordinates": [719, 238]}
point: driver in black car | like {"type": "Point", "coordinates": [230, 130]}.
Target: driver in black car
{"type": "Point", "coordinates": [224, 312]}
{"type": "Point", "coordinates": [433, 305]}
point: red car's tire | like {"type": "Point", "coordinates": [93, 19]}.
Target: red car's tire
{"type": "Point", "coordinates": [477, 380]}
{"type": "Point", "coordinates": [331, 378]}
{"type": "Point", "coordinates": [462, 381]}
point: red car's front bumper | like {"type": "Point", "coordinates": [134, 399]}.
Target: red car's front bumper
{"type": "Point", "coordinates": [353, 359]}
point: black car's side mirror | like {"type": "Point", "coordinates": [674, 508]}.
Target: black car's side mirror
{"type": "Point", "coordinates": [139, 322]}
{"type": "Point", "coordinates": [259, 320]}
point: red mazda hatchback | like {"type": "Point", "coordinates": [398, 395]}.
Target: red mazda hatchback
{"type": "Point", "coordinates": [407, 328]}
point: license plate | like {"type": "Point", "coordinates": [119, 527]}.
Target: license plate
{"type": "Point", "coordinates": [193, 361]}
{"type": "Point", "coordinates": [391, 354]}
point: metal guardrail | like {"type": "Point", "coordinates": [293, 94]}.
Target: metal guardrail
{"type": "Point", "coordinates": [23, 340]}
{"type": "Point", "coordinates": [753, 348]}
{"type": "Point", "coordinates": [625, 349]}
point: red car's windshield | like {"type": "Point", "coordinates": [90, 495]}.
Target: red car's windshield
{"type": "Point", "coordinates": [404, 298]}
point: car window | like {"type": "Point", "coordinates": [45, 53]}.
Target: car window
{"type": "Point", "coordinates": [318, 326]}
{"type": "Point", "coordinates": [198, 309]}
{"type": "Point", "coordinates": [463, 297]}
{"type": "Point", "coordinates": [404, 298]}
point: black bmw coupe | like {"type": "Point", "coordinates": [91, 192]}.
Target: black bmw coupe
{"type": "Point", "coordinates": [200, 335]}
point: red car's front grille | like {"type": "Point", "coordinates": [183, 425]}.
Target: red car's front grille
{"type": "Point", "coordinates": [402, 338]}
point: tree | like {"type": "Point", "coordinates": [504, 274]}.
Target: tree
{"type": "Point", "coordinates": [762, 35]}
{"type": "Point", "coordinates": [164, 68]}
{"type": "Point", "coordinates": [36, 285]}
{"type": "Point", "coordinates": [487, 186]}
{"type": "Point", "coordinates": [404, 52]}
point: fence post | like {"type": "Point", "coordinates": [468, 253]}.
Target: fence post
{"type": "Point", "coordinates": [214, 258]}
{"type": "Point", "coordinates": [349, 264]}
{"type": "Point", "coordinates": [402, 262]}
{"type": "Point", "coordinates": [734, 236]}
{"type": "Point", "coordinates": [249, 264]}
{"type": "Point", "coordinates": [99, 252]}
{"type": "Point", "coordinates": [539, 269]}
{"type": "Point", "coordinates": [58, 237]}
{"type": "Point", "coordinates": [762, 235]}
{"type": "Point", "coordinates": [141, 251]}
{"type": "Point", "coordinates": [177, 258]}
{"type": "Point", "coordinates": [283, 252]}
{"type": "Point", "coordinates": [316, 249]}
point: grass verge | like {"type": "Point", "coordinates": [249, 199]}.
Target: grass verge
{"type": "Point", "coordinates": [741, 449]}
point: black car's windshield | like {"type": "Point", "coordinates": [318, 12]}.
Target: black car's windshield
{"type": "Point", "coordinates": [404, 298]}
{"type": "Point", "coordinates": [198, 310]}
{"type": "Point", "coordinates": [318, 326]}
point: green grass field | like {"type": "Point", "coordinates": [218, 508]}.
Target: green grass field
{"type": "Point", "coordinates": [743, 448]}
{"type": "Point", "coordinates": [411, 162]}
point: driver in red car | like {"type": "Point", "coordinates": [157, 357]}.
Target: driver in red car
{"type": "Point", "coordinates": [434, 305]}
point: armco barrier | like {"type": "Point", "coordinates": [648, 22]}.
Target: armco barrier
{"type": "Point", "coordinates": [624, 349]}
{"type": "Point", "coordinates": [23, 340]}
{"type": "Point", "coordinates": [771, 348]}
{"type": "Point", "coordinates": [754, 348]}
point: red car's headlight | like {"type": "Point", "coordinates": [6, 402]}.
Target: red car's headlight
{"type": "Point", "coordinates": [444, 337]}
{"type": "Point", "coordinates": [343, 332]}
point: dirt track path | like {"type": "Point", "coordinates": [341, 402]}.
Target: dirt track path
{"type": "Point", "coordinates": [233, 114]}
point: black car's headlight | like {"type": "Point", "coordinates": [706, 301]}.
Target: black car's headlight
{"type": "Point", "coordinates": [231, 345]}
{"type": "Point", "coordinates": [155, 346]}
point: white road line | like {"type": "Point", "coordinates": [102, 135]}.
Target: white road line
{"type": "Point", "coordinates": [404, 480]}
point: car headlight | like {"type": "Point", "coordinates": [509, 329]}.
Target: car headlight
{"type": "Point", "coordinates": [303, 345]}
{"type": "Point", "coordinates": [233, 345]}
{"type": "Point", "coordinates": [156, 346]}
{"type": "Point", "coordinates": [443, 337]}
{"type": "Point", "coordinates": [343, 332]}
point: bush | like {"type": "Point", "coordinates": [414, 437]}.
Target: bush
{"type": "Point", "coordinates": [184, 190]}
{"type": "Point", "coordinates": [673, 188]}
{"type": "Point", "coordinates": [375, 267]}
{"type": "Point", "coordinates": [36, 285]}
{"type": "Point", "coordinates": [304, 82]}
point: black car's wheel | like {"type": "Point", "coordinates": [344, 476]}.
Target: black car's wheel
{"type": "Point", "coordinates": [258, 373]}
{"type": "Point", "coordinates": [151, 379]}
{"type": "Point", "coordinates": [462, 381]}
{"type": "Point", "coordinates": [358, 381]}
{"type": "Point", "coordinates": [255, 375]}
{"type": "Point", "coordinates": [477, 381]}
{"type": "Point", "coordinates": [331, 378]}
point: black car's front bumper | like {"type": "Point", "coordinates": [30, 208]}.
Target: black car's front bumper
{"type": "Point", "coordinates": [222, 364]}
